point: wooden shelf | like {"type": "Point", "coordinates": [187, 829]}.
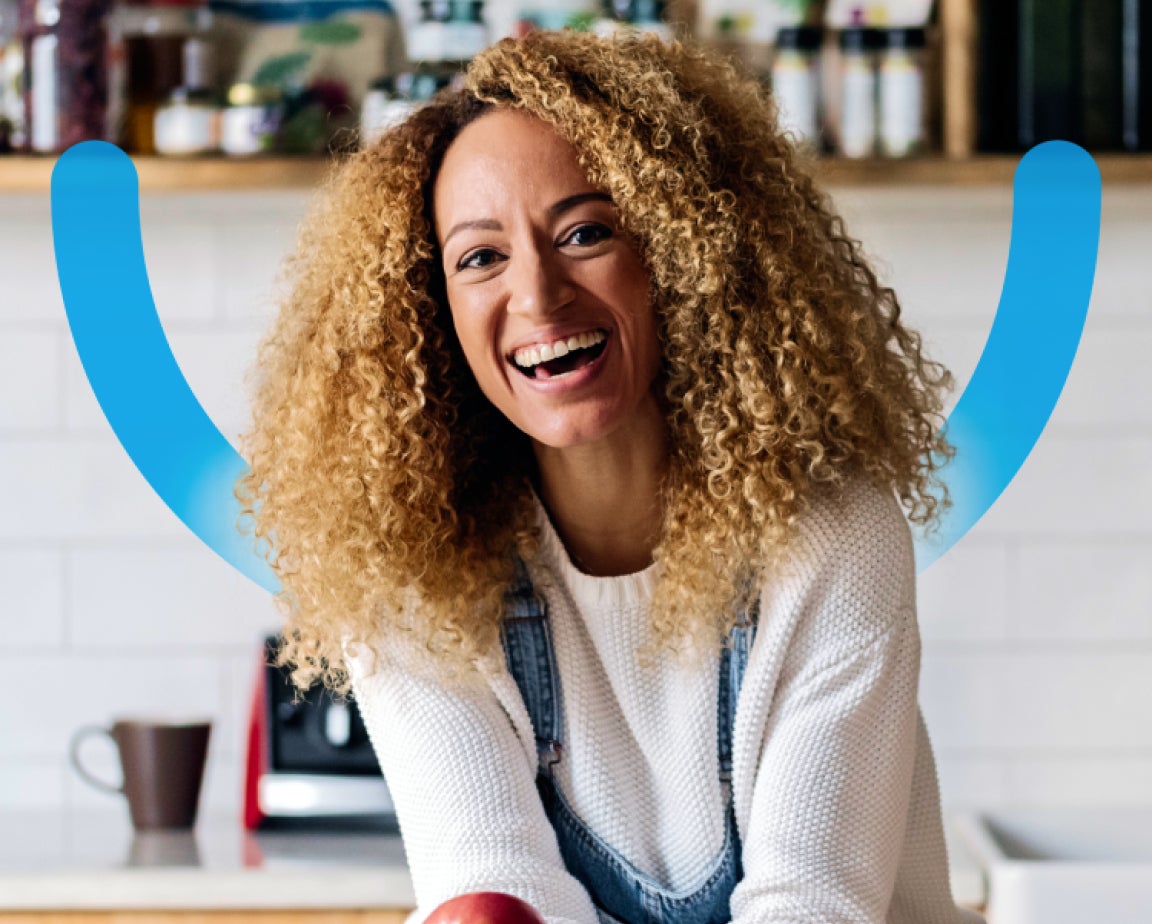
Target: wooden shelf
{"type": "Point", "coordinates": [181, 174]}
{"type": "Point", "coordinates": [160, 174]}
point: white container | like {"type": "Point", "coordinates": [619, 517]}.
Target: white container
{"type": "Point", "coordinates": [901, 92]}
{"type": "Point", "coordinates": [796, 83]}
{"type": "Point", "coordinates": [857, 129]}
{"type": "Point", "coordinates": [186, 126]}
{"type": "Point", "coordinates": [1064, 866]}
{"type": "Point", "coordinates": [379, 112]}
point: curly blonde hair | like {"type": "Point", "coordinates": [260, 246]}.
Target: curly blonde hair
{"type": "Point", "coordinates": [381, 475]}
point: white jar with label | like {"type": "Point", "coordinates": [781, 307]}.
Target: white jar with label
{"type": "Point", "coordinates": [251, 121]}
{"type": "Point", "coordinates": [187, 123]}
{"type": "Point", "coordinates": [796, 82]}
{"type": "Point", "coordinates": [901, 92]}
{"type": "Point", "coordinates": [857, 128]}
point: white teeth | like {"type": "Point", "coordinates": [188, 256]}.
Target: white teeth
{"type": "Point", "coordinates": [533, 356]}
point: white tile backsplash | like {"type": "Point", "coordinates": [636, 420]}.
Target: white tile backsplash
{"type": "Point", "coordinates": [61, 692]}
{"type": "Point", "coordinates": [30, 380]}
{"type": "Point", "coordinates": [1037, 627]}
{"type": "Point", "coordinates": [77, 488]}
{"type": "Point", "coordinates": [1081, 781]}
{"type": "Point", "coordinates": [32, 612]}
{"type": "Point", "coordinates": [1097, 592]}
{"type": "Point", "coordinates": [131, 597]}
{"type": "Point", "coordinates": [1077, 698]}
{"type": "Point", "coordinates": [954, 608]}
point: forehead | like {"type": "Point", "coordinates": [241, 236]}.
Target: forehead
{"type": "Point", "coordinates": [506, 153]}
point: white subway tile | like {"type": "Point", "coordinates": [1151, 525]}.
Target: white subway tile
{"type": "Point", "coordinates": [162, 598]}
{"type": "Point", "coordinates": [251, 253]}
{"type": "Point", "coordinates": [31, 289]}
{"type": "Point", "coordinates": [1122, 287]}
{"type": "Point", "coordinates": [961, 597]}
{"type": "Point", "coordinates": [180, 252]}
{"type": "Point", "coordinates": [77, 488]}
{"type": "Point", "coordinates": [1094, 591]}
{"type": "Point", "coordinates": [968, 781]}
{"type": "Point", "coordinates": [30, 785]}
{"type": "Point", "coordinates": [1077, 700]}
{"type": "Point", "coordinates": [217, 364]}
{"type": "Point", "coordinates": [70, 690]}
{"type": "Point", "coordinates": [242, 673]}
{"type": "Point", "coordinates": [32, 615]}
{"type": "Point", "coordinates": [1077, 486]}
{"type": "Point", "coordinates": [1110, 383]}
{"type": "Point", "coordinates": [30, 380]}
{"type": "Point", "coordinates": [957, 345]}
{"type": "Point", "coordinates": [1115, 780]}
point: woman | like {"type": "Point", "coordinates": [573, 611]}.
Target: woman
{"type": "Point", "coordinates": [582, 439]}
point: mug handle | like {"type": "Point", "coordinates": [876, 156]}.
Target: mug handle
{"type": "Point", "coordinates": [74, 756]}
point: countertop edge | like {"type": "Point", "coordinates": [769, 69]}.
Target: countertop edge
{"type": "Point", "coordinates": [185, 889]}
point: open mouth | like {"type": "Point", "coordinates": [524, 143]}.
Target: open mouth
{"type": "Point", "coordinates": [575, 354]}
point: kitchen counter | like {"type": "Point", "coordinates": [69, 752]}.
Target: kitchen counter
{"type": "Point", "coordinates": [87, 861]}
{"type": "Point", "coordinates": [94, 861]}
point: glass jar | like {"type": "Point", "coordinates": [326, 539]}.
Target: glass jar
{"type": "Point", "coordinates": [901, 91]}
{"type": "Point", "coordinates": [391, 99]}
{"type": "Point", "coordinates": [250, 123]}
{"type": "Point", "coordinates": [796, 82]}
{"type": "Point", "coordinates": [66, 72]}
{"type": "Point", "coordinates": [187, 123]}
{"type": "Point", "coordinates": [857, 128]}
{"type": "Point", "coordinates": [150, 50]}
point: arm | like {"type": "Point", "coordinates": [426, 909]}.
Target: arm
{"type": "Point", "coordinates": [831, 787]}
{"type": "Point", "coordinates": [463, 784]}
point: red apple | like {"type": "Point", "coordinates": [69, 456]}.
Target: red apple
{"type": "Point", "coordinates": [485, 908]}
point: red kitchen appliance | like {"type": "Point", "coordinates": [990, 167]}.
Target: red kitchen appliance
{"type": "Point", "coordinates": [309, 758]}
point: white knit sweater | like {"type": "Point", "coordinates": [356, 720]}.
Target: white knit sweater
{"type": "Point", "coordinates": [833, 778]}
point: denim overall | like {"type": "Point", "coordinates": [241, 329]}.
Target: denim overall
{"type": "Point", "coordinates": [619, 891]}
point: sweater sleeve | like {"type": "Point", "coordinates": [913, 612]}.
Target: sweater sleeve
{"type": "Point", "coordinates": [462, 779]}
{"type": "Point", "coordinates": [831, 787]}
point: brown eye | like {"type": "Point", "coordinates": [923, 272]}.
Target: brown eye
{"type": "Point", "coordinates": [467, 262]}
{"type": "Point", "coordinates": [596, 232]}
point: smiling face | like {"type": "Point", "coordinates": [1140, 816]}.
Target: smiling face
{"type": "Point", "coordinates": [548, 296]}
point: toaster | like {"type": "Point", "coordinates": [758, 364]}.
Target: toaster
{"type": "Point", "coordinates": [309, 759]}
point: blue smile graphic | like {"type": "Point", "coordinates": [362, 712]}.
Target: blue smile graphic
{"type": "Point", "coordinates": [193, 467]}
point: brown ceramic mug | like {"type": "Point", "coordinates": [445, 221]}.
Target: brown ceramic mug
{"type": "Point", "coordinates": [163, 765]}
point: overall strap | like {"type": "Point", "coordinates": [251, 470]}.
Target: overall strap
{"type": "Point", "coordinates": [733, 662]}
{"type": "Point", "coordinates": [531, 661]}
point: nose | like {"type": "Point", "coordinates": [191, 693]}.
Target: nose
{"type": "Point", "coordinates": [538, 283]}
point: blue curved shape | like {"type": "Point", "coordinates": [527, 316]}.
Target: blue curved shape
{"type": "Point", "coordinates": [1029, 351]}
{"type": "Point", "coordinates": [193, 468]}
{"type": "Point", "coordinates": [141, 390]}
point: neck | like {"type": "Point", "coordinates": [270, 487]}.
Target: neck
{"type": "Point", "coordinates": [604, 498]}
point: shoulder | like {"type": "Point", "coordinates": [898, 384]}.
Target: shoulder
{"type": "Point", "coordinates": [855, 529]}
{"type": "Point", "coordinates": [848, 576]}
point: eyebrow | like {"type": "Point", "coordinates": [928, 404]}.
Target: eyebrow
{"type": "Point", "coordinates": [558, 208]}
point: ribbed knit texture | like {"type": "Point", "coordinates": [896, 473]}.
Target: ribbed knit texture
{"type": "Point", "coordinates": [833, 778]}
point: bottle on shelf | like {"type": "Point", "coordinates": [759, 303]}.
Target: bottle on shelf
{"type": "Point", "coordinates": [796, 82]}
{"type": "Point", "coordinates": [900, 127]}
{"type": "Point", "coordinates": [65, 73]}
{"type": "Point", "coordinates": [148, 47]}
{"type": "Point", "coordinates": [856, 132]}
{"type": "Point", "coordinates": [642, 15]}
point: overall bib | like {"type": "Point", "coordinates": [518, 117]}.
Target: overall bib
{"type": "Point", "coordinates": [620, 892]}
